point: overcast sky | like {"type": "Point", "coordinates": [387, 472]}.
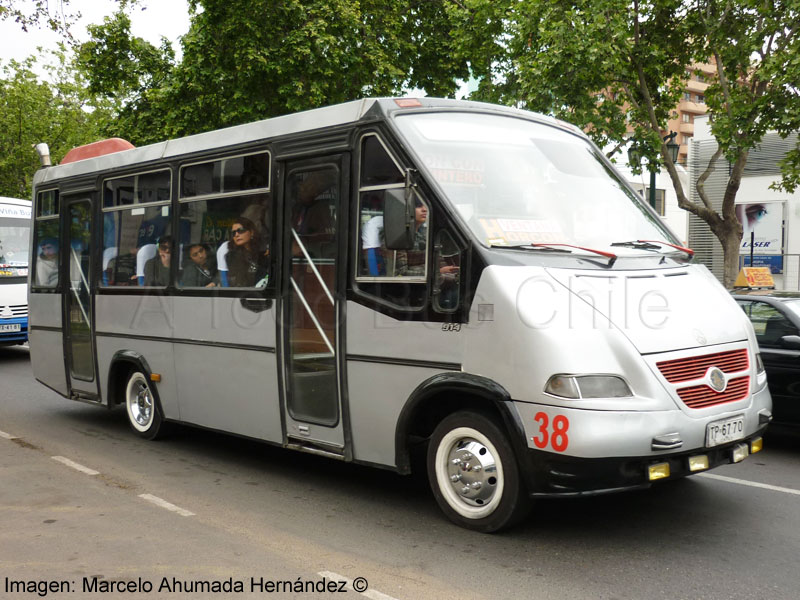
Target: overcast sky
{"type": "Point", "coordinates": [169, 18]}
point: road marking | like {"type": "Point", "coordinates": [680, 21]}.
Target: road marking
{"type": "Point", "coordinates": [7, 436]}
{"type": "Point", "coordinates": [74, 465]}
{"type": "Point", "coordinates": [765, 486]}
{"type": "Point", "coordinates": [168, 505]}
{"type": "Point", "coordinates": [373, 594]}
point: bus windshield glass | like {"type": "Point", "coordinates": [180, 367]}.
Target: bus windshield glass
{"type": "Point", "coordinates": [518, 182]}
{"type": "Point", "coordinates": [13, 247]}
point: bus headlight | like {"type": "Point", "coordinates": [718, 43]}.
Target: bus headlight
{"type": "Point", "coordinates": [588, 386]}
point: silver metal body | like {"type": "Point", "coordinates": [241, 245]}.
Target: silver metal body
{"type": "Point", "coordinates": [224, 367]}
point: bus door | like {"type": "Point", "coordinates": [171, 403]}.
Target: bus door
{"type": "Point", "coordinates": [78, 313]}
{"type": "Point", "coordinates": [313, 310]}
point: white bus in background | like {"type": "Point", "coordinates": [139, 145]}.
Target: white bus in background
{"type": "Point", "coordinates": [15, 226]}
{"type": "Point", "coordinates": [365, 279]}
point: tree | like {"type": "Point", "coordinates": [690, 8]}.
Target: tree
{"type": "Point", "coordinates": [131, 75]}
{"type": "Point", "coordinates": [245, 60]}
{"type": "Point", "coordinates": [38, 13]}
{"type": "Point", "coordinates": [607, 64]}
{"type": "Point", "coordinates": [33, 111]}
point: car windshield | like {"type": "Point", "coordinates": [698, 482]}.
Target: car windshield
{"type": "Point", "coordinates": [519, 182]}
{"type": "Point", "coordinates": [14, 235]}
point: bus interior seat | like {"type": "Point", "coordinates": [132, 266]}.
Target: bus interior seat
{"type": "Point", "coordinates": [144, 254]}
{"type": "Point", "coordinates": [222, 263]}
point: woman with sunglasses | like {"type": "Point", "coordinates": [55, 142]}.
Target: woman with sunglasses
{"type": "Point", "coordinates": [248, 262]}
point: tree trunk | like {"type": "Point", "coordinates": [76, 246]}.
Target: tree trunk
{"type": "Point", "coordinates": [730, 240]}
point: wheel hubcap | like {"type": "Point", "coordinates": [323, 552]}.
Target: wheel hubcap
{"type": "Point", "coordinates": [472, 470]}
{"type": "Point", "coordinates": [142, 405]}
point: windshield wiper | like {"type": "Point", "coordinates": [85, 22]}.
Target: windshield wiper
{"type": "Point", "coordinates": [562, 248]}
{"type": "Point", "coordinates": [653, 245]}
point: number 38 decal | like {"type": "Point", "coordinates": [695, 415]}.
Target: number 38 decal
{"type": "Point", "coordinates": [555, 435]}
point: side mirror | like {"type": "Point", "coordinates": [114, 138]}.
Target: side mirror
{"type": "Point", "coordinates": [792, 342]}
{"type": "Point", "coordinates": [398, 218]}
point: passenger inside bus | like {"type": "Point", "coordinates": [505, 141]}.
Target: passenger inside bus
{"type": "Point", "coordinates": [248, 257]}
{"type": "Point", "coordinates": [412, 262]}
{"type": "Point", "coordinates": [199, 269]}
{"type": "Point", "coordinates": [47, 263]}
{"type": "Point", "coordinates": [156, 270]}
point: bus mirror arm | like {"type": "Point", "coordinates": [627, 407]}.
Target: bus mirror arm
{"type": "Point", "coordinates": [256, 305]}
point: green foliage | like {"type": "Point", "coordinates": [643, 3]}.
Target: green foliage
{"type": "Point", "coordinates": [33, 111]}
{"type": "Point", "coordinates": [245, 60]}
{"type": "Point", "coordinates": [607, 65]}
{"type": "Point", "coordinates": [36, 13]}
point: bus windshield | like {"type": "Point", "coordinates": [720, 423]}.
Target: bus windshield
{"type": "Point", "coordinates": [14, 235]}
{"type": "Point", "coordinates": [518, 182]}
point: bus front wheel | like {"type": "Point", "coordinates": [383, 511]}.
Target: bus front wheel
{"type": "Point", "coordinates": [144, 413]}
{"type": "Point", "coordinates": [474, 474]}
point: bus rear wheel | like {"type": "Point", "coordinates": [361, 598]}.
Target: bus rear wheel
{"type": "Point", "coordinates": [144, 413]}
{"type": "Point", "coordinates": [474, 474]}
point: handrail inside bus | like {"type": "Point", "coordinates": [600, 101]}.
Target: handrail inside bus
{"type": "Point", "coordinates": [76, 291]}
{"type": "Point", "coordinates": [313, 266]}
{"type": "Point", "coordinates": [313, 316]}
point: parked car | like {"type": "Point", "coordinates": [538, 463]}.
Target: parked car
{"type": "Point", "coordinates": [776, 319]}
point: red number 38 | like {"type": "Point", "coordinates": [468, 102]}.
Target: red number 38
{"type": "Point", "coordinates": [557, 436]}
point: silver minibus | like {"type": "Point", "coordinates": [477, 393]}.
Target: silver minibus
{"type": "Point", "coordinates": [383, 276]}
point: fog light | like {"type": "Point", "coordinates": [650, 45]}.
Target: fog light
{"type": "Point", "coordinates": [756, 445]}
{"type": "Point", "coordinates": [698, 463]}
{"type": "Point", "coordinates": [659, 471]}
{"type": "Point", "coordinates": [740, 452]}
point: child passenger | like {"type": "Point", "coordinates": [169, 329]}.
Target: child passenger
{"type": "Point", "coordinates": [201, 270]}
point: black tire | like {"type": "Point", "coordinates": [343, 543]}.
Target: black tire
{"type": "Point", "coordinates": [475, 448]}
{"type": "Point", "coordinates": [142, 407]}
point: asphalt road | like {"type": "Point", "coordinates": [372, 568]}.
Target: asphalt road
{"type": "Point", "coordinates": [203, 509]}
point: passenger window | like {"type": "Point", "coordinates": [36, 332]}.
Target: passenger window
{"type": "Point", "coordinates": [398, 276]}
{"type": "Point", "coordinates": [225, 223]}
{"type": "Point", "coordinates": [137, 240]}
{"type": "Point", "coordinates": [46, 263]}
{"type": "Point", "coordinates": [225, 242]}
{"type": "Point", "coordinates": [770, 324]}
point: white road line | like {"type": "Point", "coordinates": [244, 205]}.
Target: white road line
{"type": "Point", "coordinates": [74, 465]}
{"type": "Point", "coordinates": [373, 594]}
{"type": "Point", "coordinates": [765, 486]}
{"type": "Point", "coordinates": [7, 436]}
{"type": "Point", "coordinates": [168, 505]}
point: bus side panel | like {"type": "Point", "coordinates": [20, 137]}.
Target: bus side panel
{"type": "Point", "coordinates": [377, 391]}
{"type": "Point", "coordinates": [227, 377]}
{"type": "Point", "coordinates": [144, 325]}
{"type": "Point", "coordinates": [47, 346]}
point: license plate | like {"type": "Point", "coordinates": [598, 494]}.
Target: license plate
{"type": "Point", "coordinates": [8, 327]}
{"type": "Point", "coordinates": [725, 430]}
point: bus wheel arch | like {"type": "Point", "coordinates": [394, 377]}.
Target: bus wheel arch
{"type": "Point", "coordinates": [443, 394]}
{"type": "Point", "coordinates": [129, 383]}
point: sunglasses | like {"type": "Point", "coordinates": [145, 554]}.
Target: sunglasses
{"type": "Point", "coordinates": [239, 231]}
{"type": "Point", "coordinates": [165, 248]}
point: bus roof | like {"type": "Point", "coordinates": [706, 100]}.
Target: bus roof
{"type": "Point", "coordinates": [14, 201]}
{"type": "Point", "coordinates": [310, 120]}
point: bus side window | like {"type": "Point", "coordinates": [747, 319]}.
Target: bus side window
{"type": "Point", "coordinates": [399, 276]}
{"type": "Point", "coordinates": [46, 263]}
{"type": "Point", "coordinates": [225, 229]}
